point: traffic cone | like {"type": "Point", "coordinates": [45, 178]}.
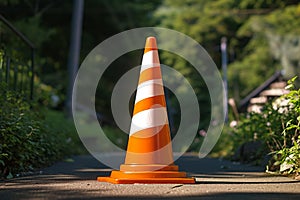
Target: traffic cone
{"type": "Point", "coordinates": [149, 157]}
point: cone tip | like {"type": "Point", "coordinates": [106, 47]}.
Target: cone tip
{"type": "Point", "coordinates": [150, 44]}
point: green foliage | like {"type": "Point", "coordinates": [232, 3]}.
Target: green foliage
{"type": "Point", "coordinates": [258, 33]}
{"type": "Point", "coordinates": [224, 148]}
{"type": "Point", "coordinates": [250, 55]}
{"type": "Point", "coordinates": [272, 45]}
{"type": "Point", "coordinates": [277, 127]}
{"type": "Point", "coordinates": [28, 138]}
{"type": "Point", "coordinates": [288, 159]}
{"type": "Point", "coordinates": [116, 136]}
{"type": "Point", "coordinates": [256, 65]}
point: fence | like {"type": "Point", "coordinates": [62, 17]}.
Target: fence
{"type": "Point", "coordinates": [16, 59]}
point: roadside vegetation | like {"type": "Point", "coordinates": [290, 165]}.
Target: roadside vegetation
{"type": "Point", "coordinates": [32, 135]}
{"type": "Point", "coordinates": [270, 138]}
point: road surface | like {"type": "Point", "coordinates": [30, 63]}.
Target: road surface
{"type": "Point", "coordinates": [216, 179]}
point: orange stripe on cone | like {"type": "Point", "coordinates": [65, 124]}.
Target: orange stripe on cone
{"type": "Point", "coordinates": [150, 74]}
{"type": "Point", "coordinates": [151, 102]}
{"type": "Point", "coordinates": [154, 142]}
{"type": "Point", "coordinates": [149, 157]}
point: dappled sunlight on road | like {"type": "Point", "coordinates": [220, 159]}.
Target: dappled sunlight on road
{"type": "Point", "coordinates": [216, 179]}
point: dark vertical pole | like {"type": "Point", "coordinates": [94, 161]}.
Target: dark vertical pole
{"type": "Point", "coordinates": [22, 78]}
{"type": "Point", "coordinates": [7, 70]}
{"type": "Point", "coordinates": [15, 76]}
{"type": "Point", "coordinates": [1, 66]}
{"type": "Point", "coordinates": [32, 74]}
{"type": "Point", "coordinates": [74, 52]}
{"type": "Point", "coordinates": [224, 70]}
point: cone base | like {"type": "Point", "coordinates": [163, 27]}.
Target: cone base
{"type": "Point", "coordinates": [147, 177]}
{"type": "Point", "coordinates": [152, 167]}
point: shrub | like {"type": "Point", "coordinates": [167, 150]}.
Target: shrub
{"type": "Point", "coordinates": [28, 140]}
{"type": "Point", "coordinates": [277, 127]}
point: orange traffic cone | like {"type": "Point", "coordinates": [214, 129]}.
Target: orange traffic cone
{"type": "Point", "coordinates": [149, 157]}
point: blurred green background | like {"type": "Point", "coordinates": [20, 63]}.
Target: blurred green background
{"type": "Point", "coordinates": [263, 37]}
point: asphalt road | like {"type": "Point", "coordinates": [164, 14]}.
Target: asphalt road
{"type": "Point", "coordinates": [216, 179]}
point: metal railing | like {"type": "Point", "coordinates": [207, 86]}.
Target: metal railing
{"type": "Point", "coordinates": [17, 60]}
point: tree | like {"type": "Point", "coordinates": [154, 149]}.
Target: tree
{"type": "Point", "coordinates": [250, 54]}
{"type": "Point", "coordinates": [273, 45]}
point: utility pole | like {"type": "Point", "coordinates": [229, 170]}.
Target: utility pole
{"type": "Point", "coordinates": [74, 51]}
{"type": "Point", "coordinates": [224, 70]}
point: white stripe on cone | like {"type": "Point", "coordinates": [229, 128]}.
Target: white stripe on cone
{"type": "Point", "coordinates": [150, 118]}
{"type": "Point", "coordinates": [150, 59]}
{"type": "Point", "coordinates": [149, 91]}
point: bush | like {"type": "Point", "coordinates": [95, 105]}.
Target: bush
{"type": "Point", "coordinates": [27, 138]}
{"type": "Point", "coordinates": [277, 128]}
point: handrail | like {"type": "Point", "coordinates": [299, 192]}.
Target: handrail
{"type": "Point", "coordinates": [18, 33]}
{"type": "Point", "coordinates": [29, 44]}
